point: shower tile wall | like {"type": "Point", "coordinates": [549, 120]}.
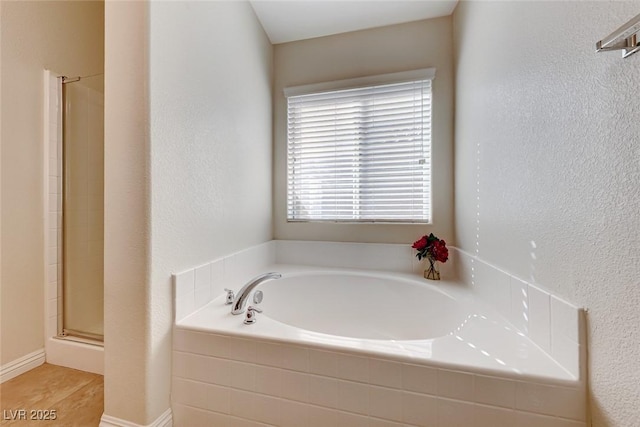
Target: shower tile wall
{"type": "Point", "coordinates": [54, 237]}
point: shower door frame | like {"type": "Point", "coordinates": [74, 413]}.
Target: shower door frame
{"type": "Point", "coordinates": [62, 332]}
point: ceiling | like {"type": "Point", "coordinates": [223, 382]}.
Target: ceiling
{"type": "Point", "coordinates": [286, 21]}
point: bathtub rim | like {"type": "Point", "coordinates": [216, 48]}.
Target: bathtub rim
{"type": "Point", "coordinates": [454, 289]}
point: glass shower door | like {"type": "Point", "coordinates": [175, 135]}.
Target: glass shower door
{"type": "Point", "coordinates": [83, 208]}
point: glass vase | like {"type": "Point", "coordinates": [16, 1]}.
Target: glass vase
{"type": "Point", "coordinates": [432, 272]}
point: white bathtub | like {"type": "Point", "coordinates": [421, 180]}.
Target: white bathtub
{"type": "Point", "coordinates": [422, 353]}
{"type": "Point", "coordinates": [398, 316]}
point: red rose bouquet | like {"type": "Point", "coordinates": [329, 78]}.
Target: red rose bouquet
{"type": "Point", "coordinates": [433, 249]}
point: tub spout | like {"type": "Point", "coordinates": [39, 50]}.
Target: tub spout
{"type": "Point", "coordinates": [241, 298]}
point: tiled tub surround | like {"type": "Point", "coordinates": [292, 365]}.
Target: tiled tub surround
{"type": "Point", "coordinates": [226, 373]}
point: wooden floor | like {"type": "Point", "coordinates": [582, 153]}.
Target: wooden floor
{"type": "Point", "coordinates": [73, 398]}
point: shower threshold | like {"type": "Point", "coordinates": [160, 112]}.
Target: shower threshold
{"type": "Point", "coordinates": [82, 337]}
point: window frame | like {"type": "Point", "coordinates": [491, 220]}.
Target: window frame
{"type": "Point", "coordinates": [357, 83]}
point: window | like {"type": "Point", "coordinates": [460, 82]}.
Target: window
{"type": "Point", "coordinates": [360, 150]}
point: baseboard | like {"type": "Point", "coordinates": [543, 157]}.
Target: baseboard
{"type": "Point", "coordinates": [75, 355]}
{"type": "Point", "coordinates": [21, 365]}
{"type": "Point", "coordinates": [164, 420]}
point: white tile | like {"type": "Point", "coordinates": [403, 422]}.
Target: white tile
{"type": "Point", "coordinates": [353, 368]}
{"type": "Point", "coordinates": [350, 420]}
{"type": "Point", "coordinates": [185, 305]}
{"type": "Point", "coordinates": [184, 282]}
{"type": "Point", "coordinates": [53, 166]}
{"type": "Point", "coordinates": [53, 255]}
{"type": "Point", "coordinates": [52, 291]}
{"type": "Point", "coordinates": [52, 307]}
{"type": "Point", "coordinates": [188, 392]}
{"type": "Point", "coordinates": [218, 398]}
{"type": "Point", "coordinates": [286, 251]}
{"type": "Point", "coordinates": [337, 254]}
{"type": "Point", "coordinates": [539, 318]}
{"type": "Point", "coordinates": [217, 345]}
{"type": "Point", "coordinates": [464, 263]}
{"type": "Point", "coordinates": [53, 184]}
{"type": "Point", "coordinates": [266, 409]}
{"type": "Point", "coordinates": [217, 371]}
{"type": "Point", "coordinates": [268, 380]}
{"type": "Point", "coordinates": [323, 363]}
{"type": "Point", "coordinates": [184, 415]}
{"type": "Point", "coordinates": [419, 409]}
{"type": "Point", "coordinates": [353, 397]}
{"type": "Point", "coordinates": [320, 417]}
{"type": "Point", "coordinates": [519, 305]}
{"type": "Point", "coordinates": [385, 373]}
{"type": "Point", "coordinates": [493, 286]}
{"type": "Point", "coordinates": [52, 326]}
{"type": "Point", "coordinates": [53, 238]}
{"type": "Point", "coordinates": [269, 354]}
{"type": "Point", "coordinates": [243, 376]}
{"type": "Point", "coordinates": [452, 413]}
{"type": "Point", "coordinates": [242, 404]}
{"type": "Point", "coordinates": [189, 366]}
{"type": "Point", "coordinates": [456, 385]}
{"type": "Point", "coordinates": [419, 378]}
{"type": "Point", "coordinates": [201, 297]}
{"type": "Point", "coordinates": [567, 353]}
{"type": "Point", "coordinates": [232, 421]}
{"type": "Point", "coordinates": [549, 400]}
{"type": "Point", "coordinates": [293, 414]}
{"type": "Point", "coordinates": [233, 277]}
{"type": "Point", "coordinates": [488, 416]}
{"type": "Point", "coordinates": [323, 391]}
{"type": "Point", "coordinates": [524, 419]}
{"type": "Point", "coordinates": [565, 319]}
{"type": "Point", "coordinates": [217, 278]}
{"type": "Point", "coordinates": [52, 273]}
{"type": "Point", "coordinates": [261, 255]}
{"type": "Point", "coordinates": [295, 386]}
{"type": "Point", "coordinates": [189, 341]}
{"type": "Point", "coordinates": [377, 422]}
{"type": "Point", "coordinates": [283, 356]}
{"type": "Point", "coordinates": [387, 257]}
{"type": "Point", "coordinates": [53, 203]}
{"type": "Point", "coordinates": [203, 276]}
{"type": "Point", "coordinates": [295, 358]}
{"type": "Point", "coordinates": [385, 403]}
{"type": "Point", "coordinates": [243, 350]}
{"type": "Point", "coordinates": [495, 391]}
{"type": "Point", "coordinates": [203, 285]}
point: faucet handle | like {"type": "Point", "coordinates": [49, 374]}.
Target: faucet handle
{"type": "Point", "coordinates": [230, 296]}
{"type": "Point", "coordinates": [257, 297]}
{"type": "Point", "coordinates": [250, 317]}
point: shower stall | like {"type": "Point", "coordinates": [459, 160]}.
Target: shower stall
{"type": "Point", "coordinates": [81, 294]}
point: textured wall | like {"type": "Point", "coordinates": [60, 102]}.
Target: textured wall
{"type": "Point", "coordinates": [67, 38]}
{"type": "Point", "coordinates": [210, 122]}
{"type": "Point", "coordinates": [403, 47]}
{"type": "Point", "coordinates": [548, 169]}
{"type": "Point", "coordinates": [128, 360]}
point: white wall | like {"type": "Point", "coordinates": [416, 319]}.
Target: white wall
{"type": "Point", "coordinates": [66, 37]}
{"type": "Point", "coordinates": [128, 306]}
{"type": "Point", "coordinates": [548, 166]}
{"type": "Point", "coordinates": [188, 175]}
{"type": "Point", "coordinates": [415, 45]}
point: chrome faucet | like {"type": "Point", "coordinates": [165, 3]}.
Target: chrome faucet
{"type": "Point", "coordinates": [241, 298]}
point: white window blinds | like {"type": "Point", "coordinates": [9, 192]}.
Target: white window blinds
{"type": "Point", "coordinates": [360, 154]}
